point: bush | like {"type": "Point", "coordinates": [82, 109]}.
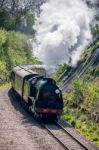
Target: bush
{"type": "Point", "coordinates": [78, 91]}
{"type": "Point", "coordinates": [3, 72]}
{"type": "Point", "coordinates": [7, 20]}
{"type": "Point", "coordinates": [14, 50]}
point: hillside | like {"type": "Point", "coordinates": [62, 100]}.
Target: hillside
{"type": "Point", "coordinates": [14, 50]}
{"type": "Point", "coordinates": [16, 28]}
{"type": "Point", "coordinates": [82, 104]}
{"type": "Point", "coordinates": [80, 86]}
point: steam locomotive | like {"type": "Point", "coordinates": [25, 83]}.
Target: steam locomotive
{"type": "Point", "coordinates": [41, 94]}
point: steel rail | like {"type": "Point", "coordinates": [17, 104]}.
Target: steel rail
{"type": "Point", "coordinates": [84, 68]}
{"type": "Point", "coordinates": [60, 125]}
{"type": "Point", "coordinates": [94, 48]}
{"type": "Point", "coordinates": [65, 146]}
{"type": "Point", "coordinates": [53, 134]}
{"type": "Point", "coordinates": [60, 141]}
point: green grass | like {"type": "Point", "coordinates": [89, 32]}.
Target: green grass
{"type": "Point", "coordinates": [83, 124]}
{"type": "Point", "coordinates": [2, 86]}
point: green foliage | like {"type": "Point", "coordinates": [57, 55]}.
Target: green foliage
{"type": "Point", "coordinates": [8, 84]}
{"type": "Point", "coordinates": [60, 69]}
{"type": "Point", "coordinates": [3, 37]}
{"type": "Point", "coordinates": [86, 53]}
{"type": "Point", "coordinates": [85, 96]}
{"type": "Point", "coordinates": [96, 71]}
{"type": "Point", "coordinates": [70, 118]}
{"type": "Point", "coordinates": [14, 50]}
{"type": "Point", "coordinates": [97, 43]}
{"type": "Point", "coordinates": [83, 93]}
{"type": "Point", "coordinates": [3, 72]}
{"type": "Point", "coordinates": [30, 20]}
{"type": "Point", "coordinates": [78, 91]}
{"type": "Point", "coordinates": [89, 74]}
{"type": "Point", "coordinates": [7, 20]}
{"type": "Point", "coordinates": [83, 124]}
{"type": "Point", "coordinates": [82, 98]}
{"type": "Point", "coordinates": [92, 95]}
{"type": "Point", "coordinates": [95, 30]}
{"type": "Point", "coordinates": [18, 8]}
{"type": "Point", "coordinates": [21, 21]}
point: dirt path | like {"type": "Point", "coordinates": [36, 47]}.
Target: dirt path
{"type": "Point", "coordinates": [18, 130]}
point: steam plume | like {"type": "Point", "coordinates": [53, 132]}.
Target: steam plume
{"type": "Point", "coordinates": [63, 31]}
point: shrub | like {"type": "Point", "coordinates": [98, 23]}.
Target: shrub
{"type": "Point", "coordinates": [14, 50]}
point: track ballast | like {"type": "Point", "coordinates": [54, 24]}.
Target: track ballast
{"type": "Point", "coordinates": [66, 137]}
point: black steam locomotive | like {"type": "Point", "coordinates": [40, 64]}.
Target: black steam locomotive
{"type": "Point", "coordinates": [40, 93]}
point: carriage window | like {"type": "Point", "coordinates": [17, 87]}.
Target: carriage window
{"type": "Point", "coordinates": [33, 91]}
{"type": "Point", "coordinates": [18, 84]}
{"type": "Point", "coordinates": [26, 89]}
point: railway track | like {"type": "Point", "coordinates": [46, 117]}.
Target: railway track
{"type": "Point", "coordinates": [82, 70]}
{"type": "Point", "coordinates": [82, 65]}
{"type": "Point", "coordinates": [64, 135]}
{"type": "Point", "coordinates": [91, 62]}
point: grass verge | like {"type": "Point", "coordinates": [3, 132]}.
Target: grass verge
{"type": "Point", "coordinates": [2, 86]}
{"type": "Point", "coordinates": [83, 124]}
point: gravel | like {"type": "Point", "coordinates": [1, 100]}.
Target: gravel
{"type": "Point", "coordinates": [18, 129]}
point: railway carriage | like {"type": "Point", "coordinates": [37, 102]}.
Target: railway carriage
{"type": "Point", "coordinates": [41, 94]}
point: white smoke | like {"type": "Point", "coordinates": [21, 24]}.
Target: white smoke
{"type": "Point", "coordinates": [63, 31]}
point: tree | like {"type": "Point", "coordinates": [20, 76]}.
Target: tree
{"type": "Point", "coordinates": [14, 50]}
{"type": "Point", "coordinates": [19, 14]}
